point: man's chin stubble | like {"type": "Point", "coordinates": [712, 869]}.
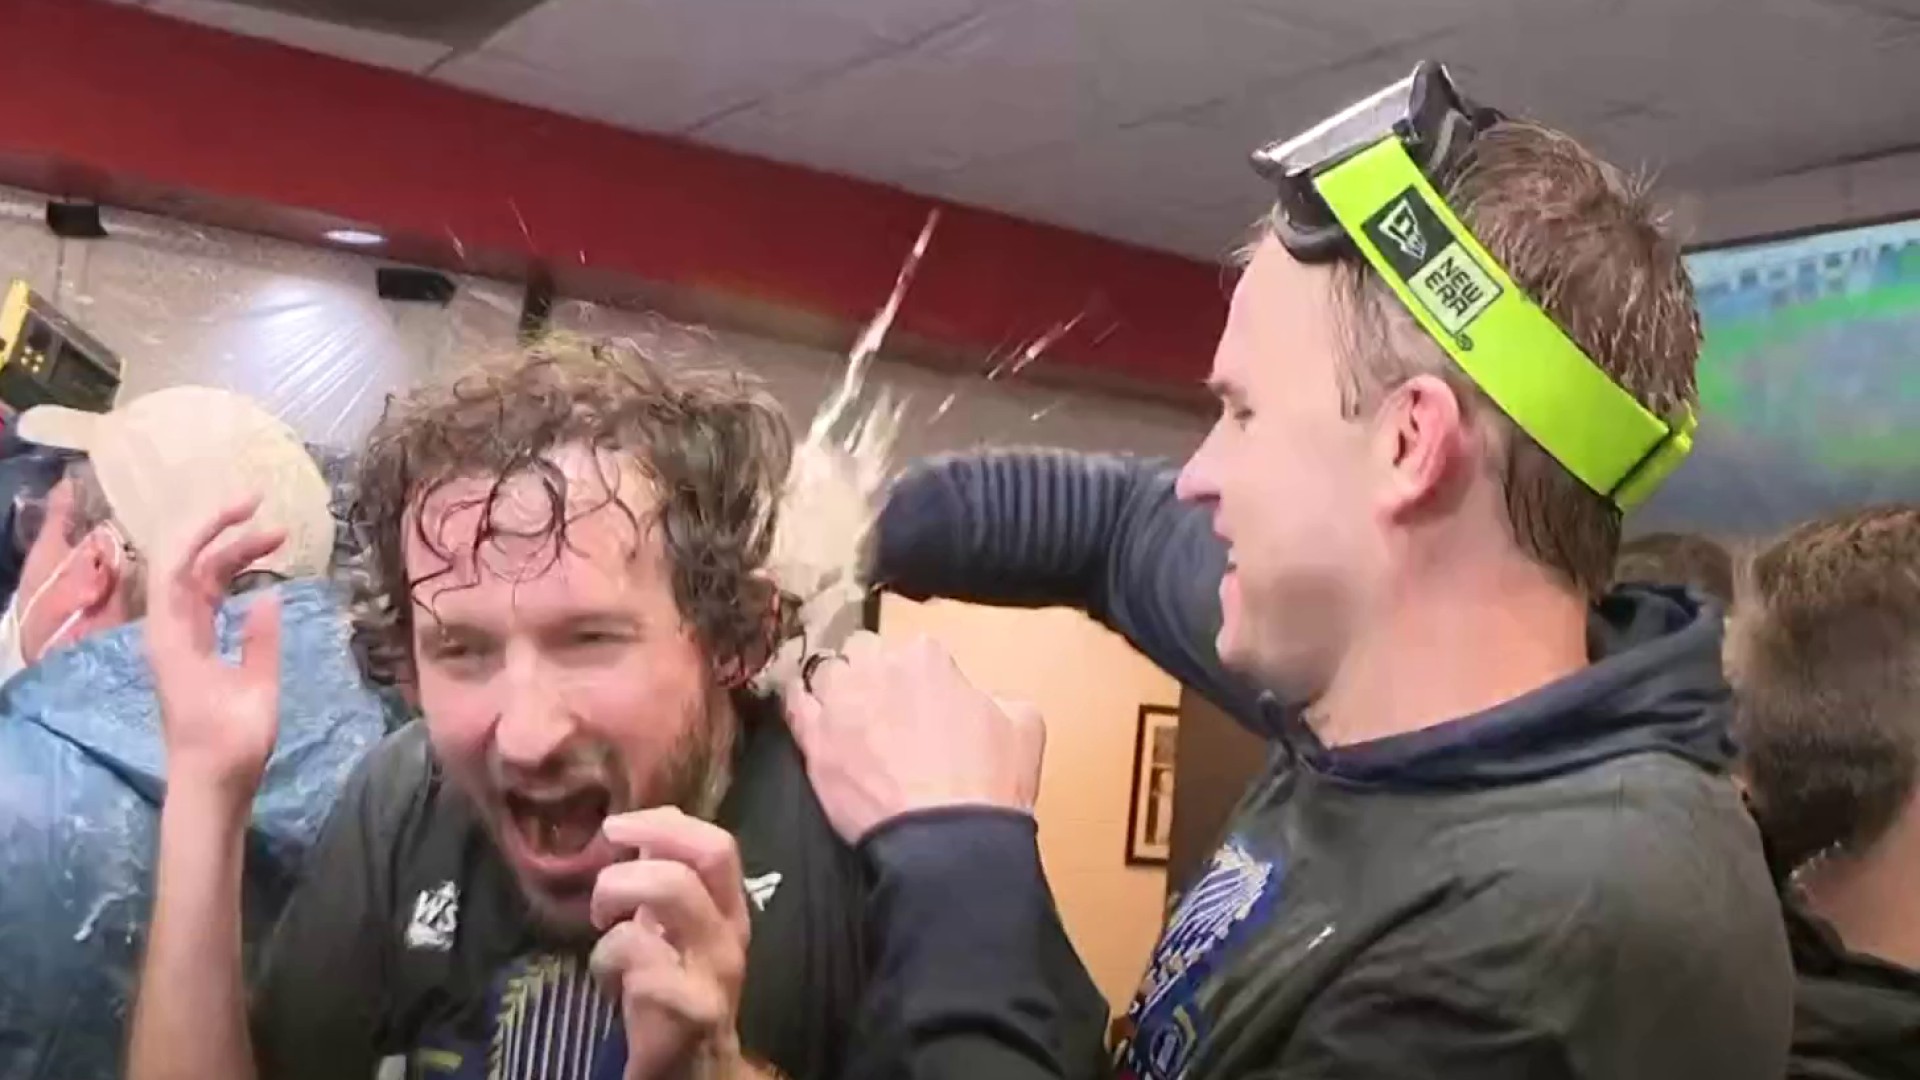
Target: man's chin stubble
{"type": "Point", "coordinates": [563, 922]}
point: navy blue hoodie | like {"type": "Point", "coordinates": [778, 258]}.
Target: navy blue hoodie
{"type": "Point", "coordinates": [1566, 885]}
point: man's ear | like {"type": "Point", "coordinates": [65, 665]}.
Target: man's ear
{"type": "Point", "coordinates": [104, 565]}
{"type": "Point", "coordinates": [1422, 444]}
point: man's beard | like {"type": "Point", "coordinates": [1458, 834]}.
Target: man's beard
{"type": "Point", "coordinates": [693, 777]}
{"type": "Point", "coordinates": [1829, 782]}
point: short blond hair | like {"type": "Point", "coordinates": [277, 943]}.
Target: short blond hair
{"type": "Point", "coordinates": [1587, 244]}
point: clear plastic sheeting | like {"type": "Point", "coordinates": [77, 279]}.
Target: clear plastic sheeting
{"type": "Point", "coordinates": [81, 779]}
{"type": "Point", "coordinates": [300, 329]}
{"type": "Point", "coordinates": [944, 410]}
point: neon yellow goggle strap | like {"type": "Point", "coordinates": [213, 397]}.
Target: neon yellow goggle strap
{"type": "Point", "coordinates": [1516, 353]}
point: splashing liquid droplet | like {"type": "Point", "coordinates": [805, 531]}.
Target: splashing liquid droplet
{"type": "Point", "coordinates": [945, 404]}
{"type": "Point", "coordinates": [514, 205]}
{"type": "Point", "coordinates": [1019, 361]}
{"type": "Point", "coordinates": [833, 489]}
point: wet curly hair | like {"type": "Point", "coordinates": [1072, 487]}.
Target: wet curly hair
{"type": "Point", "coordinates": [714, 446]}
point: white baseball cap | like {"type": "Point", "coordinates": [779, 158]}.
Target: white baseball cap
{"type": "Point", "coordinates": [168, 460]}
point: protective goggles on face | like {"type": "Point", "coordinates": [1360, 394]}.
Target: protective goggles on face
{"type": "Point", "coordinates": [1364, 180]}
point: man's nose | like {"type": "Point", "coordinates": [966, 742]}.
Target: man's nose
{"type": "Point", "coordinates": [535, 723]}
{"type": "Point", "coordinates": [1195, 482]}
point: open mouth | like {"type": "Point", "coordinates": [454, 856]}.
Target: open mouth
{"type": "Point", "coordinates": [558, 826]}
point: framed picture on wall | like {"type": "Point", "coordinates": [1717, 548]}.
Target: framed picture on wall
{"type": "Point", "coordinates": [1150, 816]}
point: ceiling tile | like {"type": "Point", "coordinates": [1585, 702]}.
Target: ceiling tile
{"type": "Point", "coordinates": [1364, 22]}
{"type": "Point", "coordinates": [1112, 177]}
{"type": "Point", "coordinates": [1191, 169]}
{"type": "Point", "coordinates": [500, 76]}
{"type": "Point", "coordinates": [1023, 75]}
{"type": "Point", "coordinates": [1704, 78]}
{"type": "Point", "coordinates": [664, 65]}
{"type": "Point", "coordinates": [363, 46]}
{"type": "Point", "coordinates": [1133, 118]}
{"type": "Point", "coordinates": [1209, 234]}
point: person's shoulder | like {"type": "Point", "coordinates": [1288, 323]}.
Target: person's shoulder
{"type": "Point", "coordinates": [1634, 829]}
{"type": "Point", "coordinates": [397, 781]}
{"type": "Point", "coordinates": [1630, 905]}
{"type": "Point", "coordinates": [770, 789]}
{"type": "Point", "coordinates": [1645, 859]}
{"type": "Point", "coordinates": [404, 757]}
{"type": "Point", "coordinates": [771, 808]}
{"type": "Point", "coordinates": [1678, 836]}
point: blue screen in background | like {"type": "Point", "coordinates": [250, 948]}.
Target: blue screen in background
{"type": "Point", "coordinates": [1809, 381]}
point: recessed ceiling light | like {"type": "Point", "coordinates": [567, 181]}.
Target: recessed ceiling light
{"type": "Point", "coordinates": [355, 237]}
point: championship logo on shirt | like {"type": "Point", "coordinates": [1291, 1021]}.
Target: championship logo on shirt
{"type": "Point", "coordinates": [552, 1021]}
{"type": "Point", "coordinates": [1165, 1023]}
{"type": "Point", "coordinates": [549, 1020]}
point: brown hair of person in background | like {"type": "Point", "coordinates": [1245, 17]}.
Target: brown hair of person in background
{"type": "Point", "coordinates": [713, 443]}
{"type": "Point", "coordinates": [1670, 558]}
{"type": "Point", "coordinates": [1588, 245]}
{"type": "Point", "coordinates": [1824, 653]}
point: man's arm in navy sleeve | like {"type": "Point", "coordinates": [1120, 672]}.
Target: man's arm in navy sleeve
{"type": "Point", "coordinates": [1100, 532]}
{"type": "Point", "coordinates": [972, 974]}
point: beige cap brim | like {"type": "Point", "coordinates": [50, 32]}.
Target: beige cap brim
{"type": "Point", "coordinates": [60, 427]}
{"type": "Point", "coordinates": [168, 460]}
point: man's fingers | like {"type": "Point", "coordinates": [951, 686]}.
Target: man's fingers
{"type": "Point", "coordinates": [230, 515]}
{"type": "Point", "coordinates": [804, 717]}
{"type": "Point", "coordinates": [1030, 740]}
{"type": "Point", "coordinates": [675, 895]}
{"type": "Point", "coordinates": [214, 569]}
{"type": "Point", "coordinates": [629, 946]}
{"type": "Point", "coordinates": [1029, 724]}
{"type": "Point", "coordinates": [1028, 721]}
{"type": "Point", "coordinates": [685, 995]}
{"type": "Point", "coordinates": [706, 848]}
{"type": "Point", "coordinates": [828, 673]}
{"type": "Point", "coordinates": [260, 641]}
{"type": "Point", "coordinates": [861, 644]}
{"type": "Point", "coordinates": [653, 884]}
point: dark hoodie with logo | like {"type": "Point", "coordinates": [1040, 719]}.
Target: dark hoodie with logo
{"type": "Point", "coordinates": [1563, 886]}
{"type": "Point", "coordinates": [407, 939]}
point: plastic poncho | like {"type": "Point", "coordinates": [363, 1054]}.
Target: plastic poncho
{"type": "Point", "coordinates": [81, 778]}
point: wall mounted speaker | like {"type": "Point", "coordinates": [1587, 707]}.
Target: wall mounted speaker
{"type": "Point", "coordinates": [75, 221]}
{"type": "Point", "coordinates": [414, 286]}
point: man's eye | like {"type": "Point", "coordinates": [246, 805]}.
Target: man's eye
{"type": "Point", "coordinates": [452, 649]}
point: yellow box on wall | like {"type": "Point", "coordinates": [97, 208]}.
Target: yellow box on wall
{"type": "Point", "coordinates": [45, 359]}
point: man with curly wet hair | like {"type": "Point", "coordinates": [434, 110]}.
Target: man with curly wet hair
{"type": "Point", "coordinates": [597, 854]}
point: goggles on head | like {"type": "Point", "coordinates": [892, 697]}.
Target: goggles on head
{"type": "Point", "coordinates": [1364, 181]}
